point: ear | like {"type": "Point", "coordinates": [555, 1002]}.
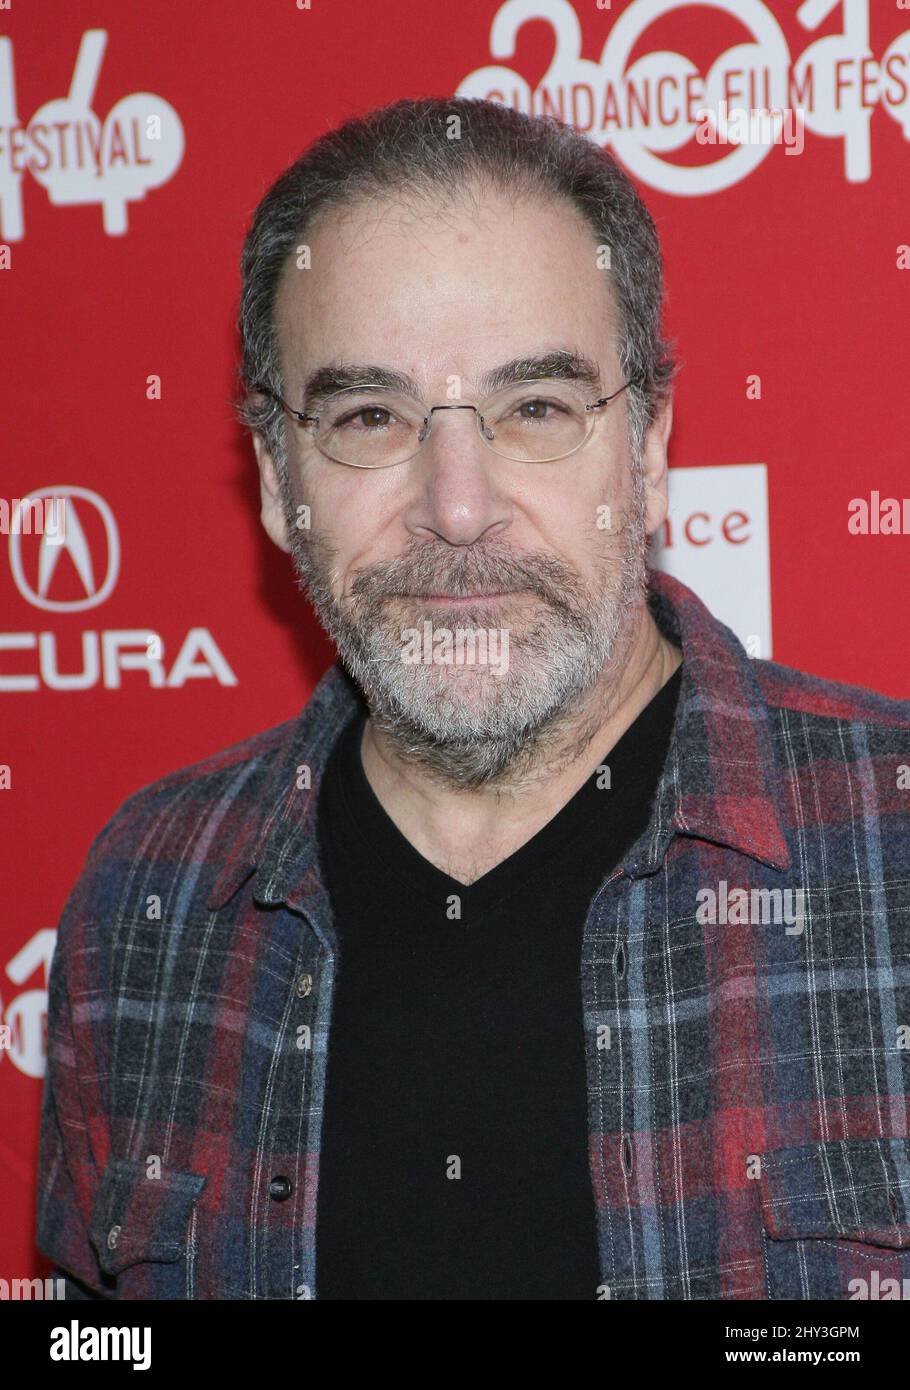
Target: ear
{"type": "Point", "coordinates": [272, 510]}
{"type": "Point", "coordinates": [654, 465]}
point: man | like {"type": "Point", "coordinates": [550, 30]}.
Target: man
{"type": "Point", "coordinates": [558, 950]}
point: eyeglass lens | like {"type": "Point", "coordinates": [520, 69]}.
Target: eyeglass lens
{"type": "Point", "coordinates": [530, 422]}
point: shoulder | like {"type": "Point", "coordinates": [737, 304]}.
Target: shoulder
{"type": "Point", "coordinates": [190, 795]}
{"type": "Point", "coordinates": [842, 769]}
{"type": "Point", "coordinates": [177, 831]}
{"type": "Point", "coordinates": [798, 693]}
{"type": "Point", "coordinates": [176, 839]}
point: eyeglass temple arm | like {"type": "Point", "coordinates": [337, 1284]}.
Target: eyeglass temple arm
{"type": "Point", "coordinates": [633, 381]}
{"type": "Point", "coordinates": [267, 391]}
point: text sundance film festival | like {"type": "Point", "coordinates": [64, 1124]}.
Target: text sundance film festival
{"type": "Point", "coordinates": [658, 104]}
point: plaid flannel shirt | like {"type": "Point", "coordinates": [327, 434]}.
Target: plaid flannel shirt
{"type": "Point", "coordinates": [747, 1078]}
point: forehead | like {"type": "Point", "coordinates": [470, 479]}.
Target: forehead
{"type": "Point", "coordinates": [437, 289]}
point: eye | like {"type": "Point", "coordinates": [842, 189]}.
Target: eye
{"type": "Point", "coordinates": [537, 409]}
{"type": "Point", "coordinates": [368, 415]}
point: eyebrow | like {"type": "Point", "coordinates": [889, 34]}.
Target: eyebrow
{"type": "Point", "coordinates": [560, 363]}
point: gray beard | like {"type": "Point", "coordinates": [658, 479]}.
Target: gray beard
{"type": "Point", "coordinates": [503, 724]}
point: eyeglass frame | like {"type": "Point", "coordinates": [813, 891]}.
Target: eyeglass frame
{"type": "Point", "coordinates": [305, 418]}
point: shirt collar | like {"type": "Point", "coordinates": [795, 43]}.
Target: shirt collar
{"type": "Point", "coordinates": [718, 781]}
{"type": "Point", "coordinates": [280, 842]}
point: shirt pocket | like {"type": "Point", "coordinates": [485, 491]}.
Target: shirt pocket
{"type": "Point", "coordinates": [142, 1226]}
{"type": "Point", "coordinates": [836, 1219]}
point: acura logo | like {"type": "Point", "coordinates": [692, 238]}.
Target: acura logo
{"type": "Point", "coordinates": [97, 574]}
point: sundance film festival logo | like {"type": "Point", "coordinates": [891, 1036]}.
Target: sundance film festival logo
{"type": "Point", "coordinates": [647, 109]}
{"type": "Point", "coordinates": [23, 1022]}
{"type": "Point", "coordinates": [76, 156]}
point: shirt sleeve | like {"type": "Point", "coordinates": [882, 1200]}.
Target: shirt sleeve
{"type": "Point", "coordinates": [73, 1142]}
{"type": "Point", "coordinates": [72, 1289]}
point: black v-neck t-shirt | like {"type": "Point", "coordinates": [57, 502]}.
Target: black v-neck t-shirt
{"type": "Point", "coordinates": [454, 1152]}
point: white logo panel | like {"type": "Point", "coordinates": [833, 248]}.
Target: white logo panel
{"type": "Point", "coordinates": [715, 540]}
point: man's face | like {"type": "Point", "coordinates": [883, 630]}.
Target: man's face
{"type": "Point", "coordinates": [444, 295]}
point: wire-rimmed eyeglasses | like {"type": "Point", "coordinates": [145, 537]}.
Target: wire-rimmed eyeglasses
{"type": "Point", "coordinates": [535, 421]}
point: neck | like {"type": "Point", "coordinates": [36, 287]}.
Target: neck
{"type": "Point", "coordinates": [465, 833]}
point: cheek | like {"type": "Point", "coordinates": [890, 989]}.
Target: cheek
{"type": "Point", "coordinates": [614, 503]}
{"type": "Point", "coordinates": [578, 517]}
{"type": "Point", "coordinates": [333, 507]}
{"type": "Point", "coordinates": [359, 527]}
{"type": "Point", "coordinates": [343, 497]}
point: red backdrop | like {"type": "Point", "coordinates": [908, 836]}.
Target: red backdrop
{"type": "Point", "coordinates": [790, 272]}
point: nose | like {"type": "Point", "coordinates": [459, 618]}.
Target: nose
{"type": "Point", "coordinates": [459, 492]}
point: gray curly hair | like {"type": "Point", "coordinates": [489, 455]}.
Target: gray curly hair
{"type": "Point", "coordinates": [405, 150]}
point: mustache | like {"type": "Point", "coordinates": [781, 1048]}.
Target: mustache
{"type": "Point", "coordinates": [430, 570]}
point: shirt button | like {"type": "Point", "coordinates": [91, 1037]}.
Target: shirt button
{"type": "Point", "coordinates": [280, 1189]}
{"type": "Point", "coordinates": [304, 985]}
{"type": "Point", "coordinates": [113, 1237]}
